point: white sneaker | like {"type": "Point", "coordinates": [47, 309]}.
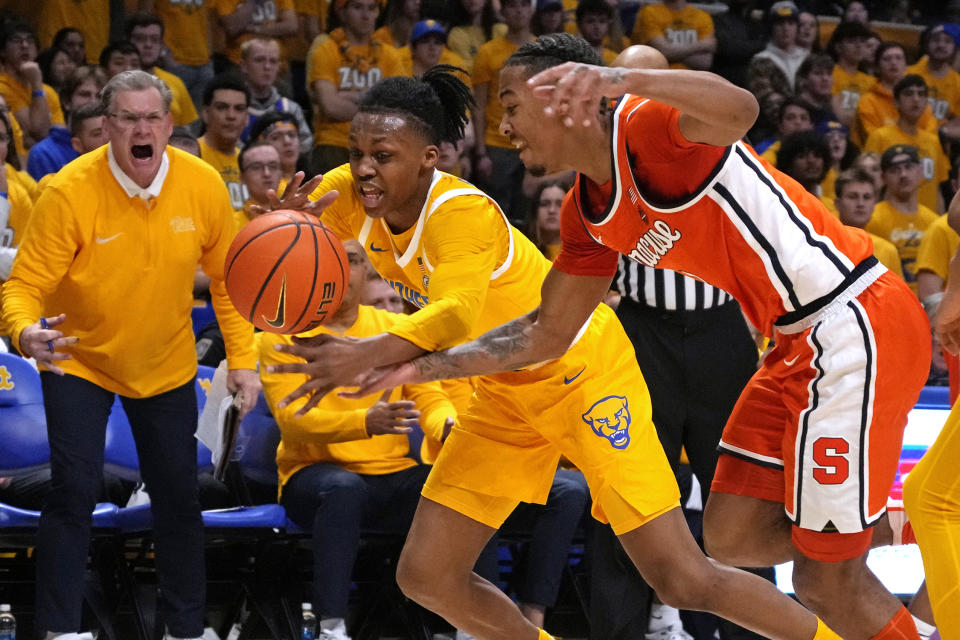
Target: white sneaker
{"type": "Point", "coordinates": [463, 635]}
{"type": "Point", "coordinates": [86, 635]}
{"type": "Point", "coordinates": [673, 632]}
{"type": "Point", "coordinates": [338, 632]}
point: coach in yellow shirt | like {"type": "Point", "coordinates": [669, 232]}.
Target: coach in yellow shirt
{"type": "Point", "coordinates": [100, 296]}
{"type": "Point", "coordinates": [682, 33]}
{"type": "Point", "coordinates": [348, 463]}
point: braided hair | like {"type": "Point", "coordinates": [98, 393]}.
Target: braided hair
{"type": "Point", "coordinates": [552, 50]}
{"type": "Point", "coordinates": [436, 104]}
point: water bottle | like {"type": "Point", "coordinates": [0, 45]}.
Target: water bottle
{"type": "Point", "coordinates": [308, 626]}
{"type": "Point", "coordinates": [8, 624]}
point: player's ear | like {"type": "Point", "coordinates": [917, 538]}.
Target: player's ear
{"type": "Point", "coordinates": [431, 155]}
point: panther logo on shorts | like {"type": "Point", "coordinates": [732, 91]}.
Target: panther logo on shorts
{"type": "Point", "coordinates": [610, 418]}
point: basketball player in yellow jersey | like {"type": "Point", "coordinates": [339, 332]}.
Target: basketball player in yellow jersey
{"type": "Point", "coordinates": [448, 249]}
{"type": "Point", "coordinates": [931, 492]}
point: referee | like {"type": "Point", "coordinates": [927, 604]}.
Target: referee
{"type": "Point", "coordinates": [696, 353]}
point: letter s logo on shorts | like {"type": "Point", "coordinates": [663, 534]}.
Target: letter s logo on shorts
{"type": "Point", "coordinates": [610, 418]}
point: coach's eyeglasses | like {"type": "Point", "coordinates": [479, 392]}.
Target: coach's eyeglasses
{"type": "Point", "coordinates": [129, 119]}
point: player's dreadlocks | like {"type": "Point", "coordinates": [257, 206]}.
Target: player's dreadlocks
{"type": "Point", "coordinates": [553, 49]}
{"type": "Point", "coordinates": [436, 104]}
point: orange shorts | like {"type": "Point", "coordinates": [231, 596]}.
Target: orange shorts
{"type": "Point", "coordinates": [820, 425]}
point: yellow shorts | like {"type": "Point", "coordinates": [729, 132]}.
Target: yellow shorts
{"type": "Point", "coordinates": [591, 406]}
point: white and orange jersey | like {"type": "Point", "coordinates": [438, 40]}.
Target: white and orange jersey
{"type": "Point", "coordinates": [719, 214]}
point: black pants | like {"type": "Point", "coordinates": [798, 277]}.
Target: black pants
{"type": "Point", "coordinates": [335, 504]}
{"type": "Point", "coordinates": [163, 428]}
{"type": "Point", "coordinates": [695, 364]}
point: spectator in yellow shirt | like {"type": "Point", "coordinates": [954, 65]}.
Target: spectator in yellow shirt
{"type": "Point", "coordinates": [398, 20]}
{"type": "Point", "coordinates": [497, 168]}
{"type": "Point", "coordinates": [876, 107]}
{"type": "Point", "coordinates": [846, 46]}
{"type": "Point", "coordinates": [795, 116]}
{"type": "Point", "coordinates": [187, 37]}
{"type": "Point", "coordinates": [34, 105]}
{"type": "Point", "coordinates": [260, 172]}
{"type": "Point", "coordinates": [856, 198]}
{"type": "Point", "coordinates": [910, 98]}
{"type": "Point", "coordinates": [899, 217]}
{"type": "Point", "coordinates": [245, 19]}
{"type": "Point", "coordinates": [118, 57]}
{"type": "Point", "coordinates": [71, 40]}
{"type": "Point", "coordinates": [279, 129]}
{"type": "Point", "coordinates": [341, 70]}
{"type": "Point", "coordinates": [347, 465]}
{"type": "Point", "coordinates": [15, 202]}
{"type": "Point", "coordinates": [225, 105]}
{"type": "Point", "coordinates": [91, 18]}
{"type": "Point", "coordinates": [943, 81]}
{"type": "Point", "coordinates": [145, 31]}
{"type": "Point", "coordinates": [684, 34]}
{"type": "Point", "coordinates": [427, 49]}
{"type": "Point", "coordinates": [548, 18]}
{"type": "Point", "coordinates": [473, 24]}
{"type": "Point", "coordinates": [593, 22]}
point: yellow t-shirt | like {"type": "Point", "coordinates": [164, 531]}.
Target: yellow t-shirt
{"type": "Point", "coordinates": [122, 270]}
{"type": "Point", "coordinates": [19, 96]}
{"type": "Point", "coordinates": [682, 27]}
{"type": "Point", "coordinates": [267, 12]}
{"type": "Point", "coordinates": [186, 30]}
{"type": "Point", "coordinates": [21, 202]}
{"type": "Point", "coordinates": [876, 109]}
{"type": "Point", "coordinates": [226, 165]}
{"type": "Point", "coordinates": [348, 68]}
{"type": "Point", "coordinates": [486, 70]}
{"type": "Point", "coordinates": [461, 264]}
{"type": "Point", "coordinates": [943, 93]}
{"type": "Point", "coordinates": [933, 160]}
{"type": "Point", "coordinates": [24, 180]}
{"type": "Point", "coordinates": [181, 108]}
{"type": "Point", "coordinates": [938, 246]}
{"type": "Point", "coordinates": [828, 188]}
{"type": "Point", "coordinates": [296, 46]}
{"type": "Point", "coordinates": [905, 231]}
{"type": "Point", "coordinates": [335, 430]}
{"type": "Point", "coordinates": [771, 153]}
{"type": "Point", "coordinates": [447, 57]}
{"type": "Point", "coordinates": [886, 252]}
{"type": "Point", "coordinates": [466, 41]}
{"type": "Point", "coordinates": [91, 17]}
{"type": "Point", "coordinates": [851, 85]}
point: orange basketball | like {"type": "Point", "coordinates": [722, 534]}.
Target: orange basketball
{"type": "Point", "coordinates": [286, 272]}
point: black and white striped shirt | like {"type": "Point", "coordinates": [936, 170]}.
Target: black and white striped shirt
{"type": "Point", "coordinates": [665, 289]}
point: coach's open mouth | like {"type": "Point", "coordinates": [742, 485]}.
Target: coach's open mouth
{"type": "Point", "coordinates": [142, 151]}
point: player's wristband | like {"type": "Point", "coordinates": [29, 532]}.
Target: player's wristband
{"type": "Point", "coordinates": [38, 94]}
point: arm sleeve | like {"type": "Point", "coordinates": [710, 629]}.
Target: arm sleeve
{"type": "Point", "coordinates": [462, 238]}
{"type": "Point", "coordinates": [320, 425]}
{"type": "Point", "coordinates": [934, 253]}
{"type": "Point", "coordinates": [237, 332]}
{"type": "Point", "coordinates": [434, 406]}
{"type": "Point", "coordinates": [336, 217]}
{"type": "Point", "coordinates": [580, 254]}
{"type": "Point", "coordinates": [324, 65]}
{"type": "Point", "coordinates": [50, 243]}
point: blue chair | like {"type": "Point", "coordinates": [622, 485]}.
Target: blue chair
{"type": "Point", "coordinates": [201, 315]}
{"type": "Point", "coordinates": [22, 419]}
{"type": "Point", "coordinates": [934, 398]}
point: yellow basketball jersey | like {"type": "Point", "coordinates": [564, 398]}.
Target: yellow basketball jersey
{"type": "Point", "coordinates": [461, 255]}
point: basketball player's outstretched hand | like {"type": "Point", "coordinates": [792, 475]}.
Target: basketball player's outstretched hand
{"type": "Point", "coordinates": [330, 362]}
{"type": "Point", "coordinates": [386, 377]}
{"type": "Point", "coordinates": [572, 91]}
{"type": "Point", "coordinates": [947, 322]}
{"type": "Point", "coordinates": [296, 197]}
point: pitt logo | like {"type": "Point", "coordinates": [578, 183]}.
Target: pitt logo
{"type": "Point", "coordinates": [655, 243]}
{"type": "Point", "coordinates": [610, 418]}
{"type": "Point", "coordinates": [6, 380]}
{"type": "Point", "coordinates": [180, 225]}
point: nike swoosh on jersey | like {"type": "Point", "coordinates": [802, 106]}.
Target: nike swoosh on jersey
{"type": "Point", "coordinates": [375, 248]}
{"type": "Point", "coordinates": [567, 380]}
{"type": "Point", "coordinates": [277, 322]}
{"type": "Point", "coordinates": [106, 240]}
{"type": "Point", "coordinates": [790, 363]}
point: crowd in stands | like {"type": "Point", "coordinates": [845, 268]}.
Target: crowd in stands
{"type": "Point", "coordinates": [859, 103]}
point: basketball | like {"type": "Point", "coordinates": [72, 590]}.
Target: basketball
{"type": "Point", "coordinates": [286, 272]}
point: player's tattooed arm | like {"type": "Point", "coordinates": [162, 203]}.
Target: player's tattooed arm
{"type": "Point", "coordinates": [508, 347]}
